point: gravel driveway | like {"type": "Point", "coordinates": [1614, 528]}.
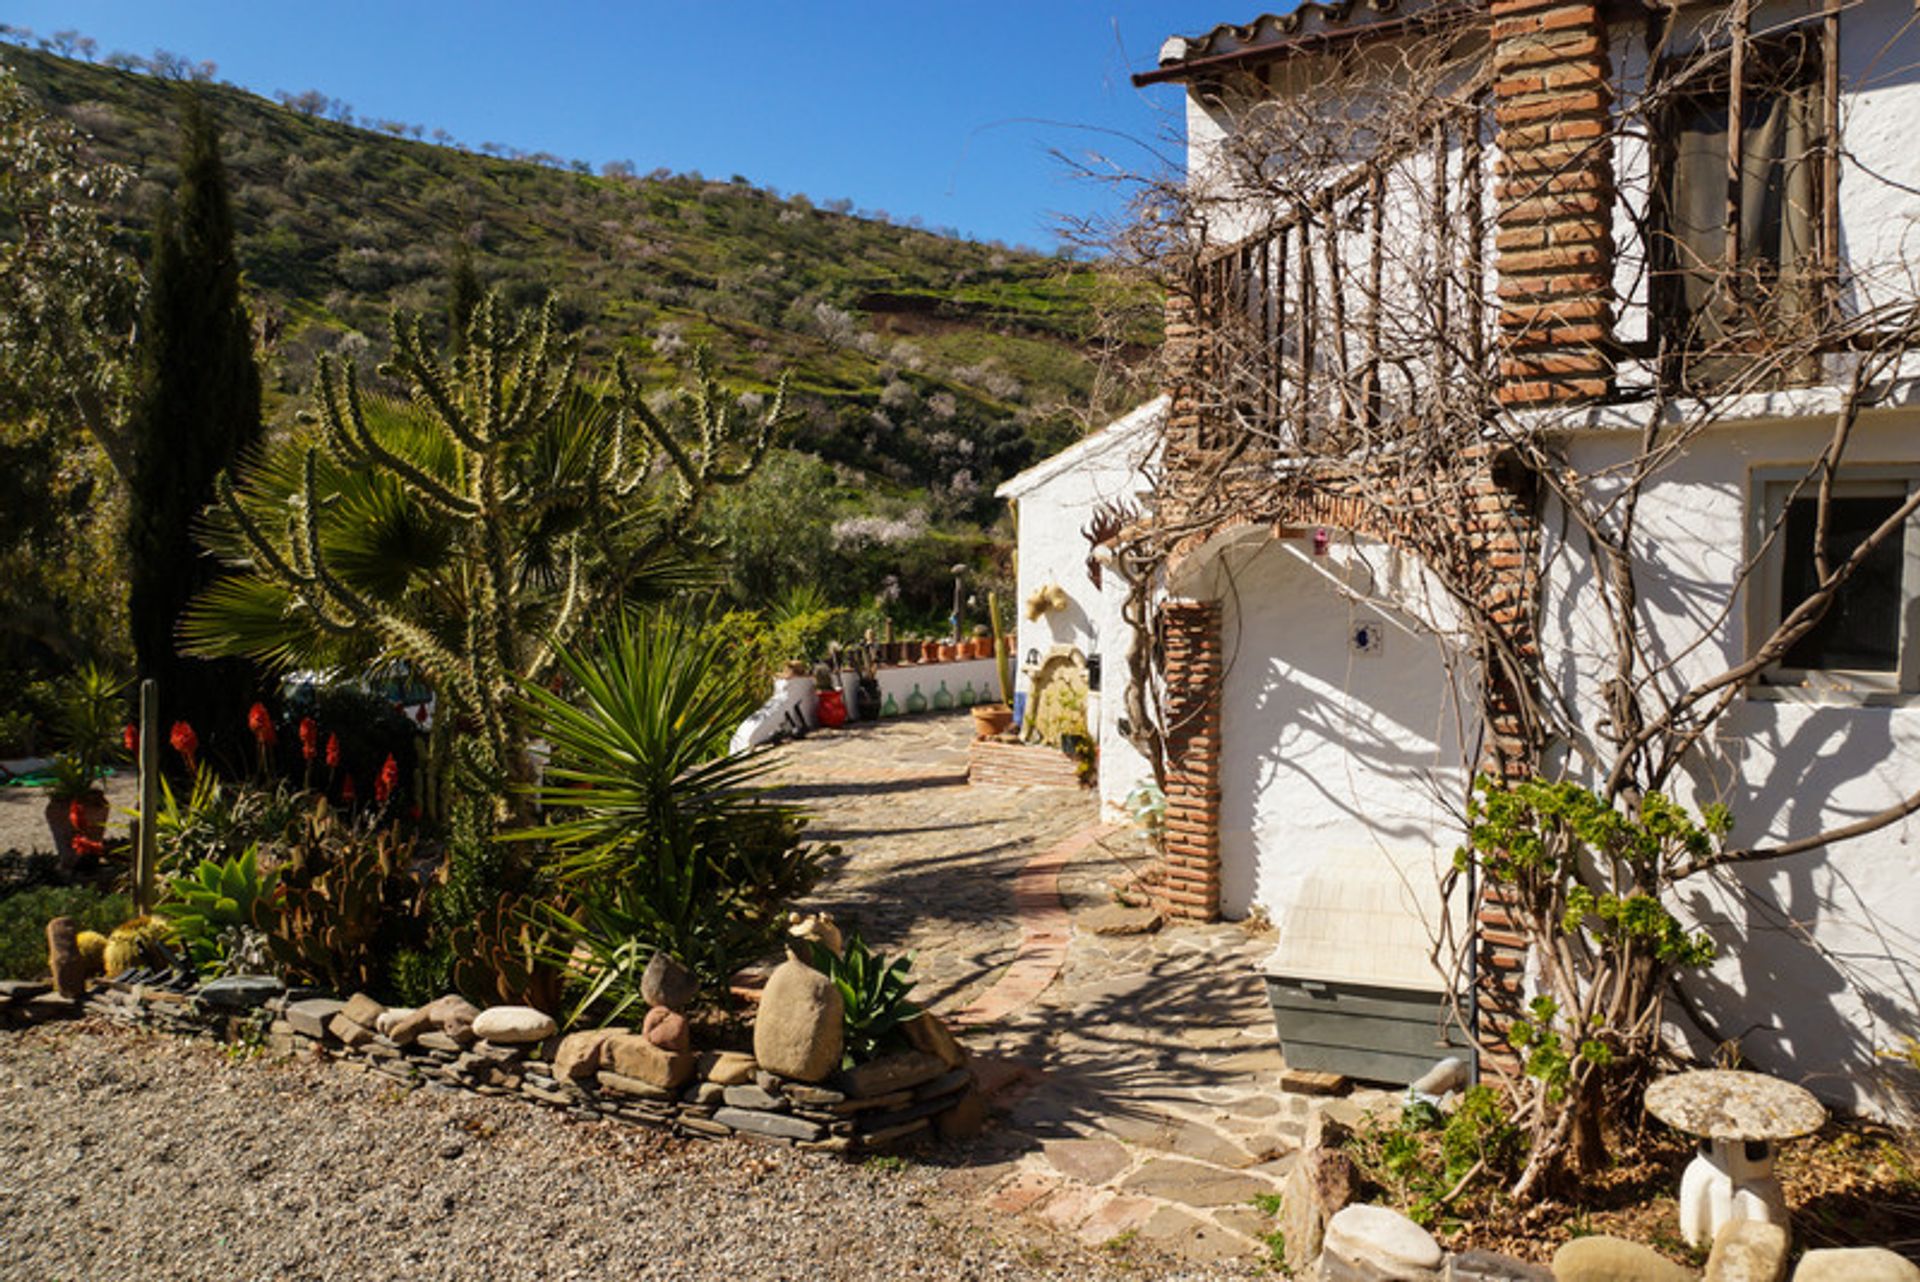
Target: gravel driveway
{"type": "Point", "coordinates": [125, 1151]}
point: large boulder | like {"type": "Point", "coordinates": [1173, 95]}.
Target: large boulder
{"type": "Point", "coordinates": [929, 1034]}
{"type": "Point", "coordinates": [797, 1031]}
{"type": "Point", "coordinates": [1601, 1258]}
{"type": "Point", "coordinates": [513, 1025]}
{"type": "Point", "coordinates": [1855, 1264]}
{"type": "Point", "coordinates": [1378, 1241]}
{"type": "Point", "coordinates": [64, 959]}
{"type": "Point", "coordinates": [454, 1016]}
{"type": "Point", "coordinates": [667, 1029]}
{"type": "Point", "coordinates": [580, 1055]}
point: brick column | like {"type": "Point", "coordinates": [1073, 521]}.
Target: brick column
{"type": "Point", "coordinates": [1554, 237]}
{"type": "Point", "coordinates": [1190, 634]}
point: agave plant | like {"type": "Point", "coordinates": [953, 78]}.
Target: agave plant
{"type": "Point", "coordinates": [875, 993]}
{"type": "Point", "coordinates": [216, 902]}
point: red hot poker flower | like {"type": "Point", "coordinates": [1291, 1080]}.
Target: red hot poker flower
{"type": "Point", "coordinates": [333, 752]}
{"type": "Point", "coordinates": [260, 721]}
{"type": "Point", "coordinates": [87, 847]}
{"type": "Point", "coordinates": [309, 738]}
{"type": "Point", "coordinates": [77, 816]}
{"type": "Point", "coordinates": [388, 780]}
{"type": "Point", "coordinates": [347, 793]}
{"type": "Point", "coordinates": [185, 742]}
{"type": "Point", "coordinates": [131, 737]}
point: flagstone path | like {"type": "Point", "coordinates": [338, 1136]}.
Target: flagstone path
{"type": "Point", "coordinates": [1135, 1076]}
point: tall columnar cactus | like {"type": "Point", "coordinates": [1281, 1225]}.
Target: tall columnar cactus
{"type": "Point", "coordinates": [516, 503]}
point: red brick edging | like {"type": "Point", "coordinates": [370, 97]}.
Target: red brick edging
{"type": "Point", "coordinates": [1044, 931]}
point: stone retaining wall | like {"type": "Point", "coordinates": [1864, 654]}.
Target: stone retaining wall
{"type": "Point", "coordinates": [869, 1107]}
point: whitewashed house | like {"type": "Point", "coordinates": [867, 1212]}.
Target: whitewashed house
{"type": "Point", "coordinates": [1538, 252]}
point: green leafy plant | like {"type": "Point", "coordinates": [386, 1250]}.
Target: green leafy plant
{"type": "Point", "coordinates": [876, 995]}
{"type": "Point", "coordinates": [218, 896]}
{"type": "Point", "coordinates": [348, 904]}
{"type": "Point", "coordinates": [219, 820]}
{"type": "Point", "coordinates": [89, 712]}
{"type": "Point", "coordinates": [1584, 881]}
{"type": "Point", "coordinates": [657, 838]}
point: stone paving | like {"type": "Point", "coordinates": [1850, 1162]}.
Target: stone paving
{"type": "Point", "coordinates": [1136, 1074]}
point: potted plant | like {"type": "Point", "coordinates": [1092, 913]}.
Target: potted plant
{"type": "Point", "coordinates": [990, 719]}
{"type": "Point", "coordinates": [89, 721]}
{"type": "Point", "coordinates": [929, 650]}
{"type": "Point", "coordinates": [982, 642]}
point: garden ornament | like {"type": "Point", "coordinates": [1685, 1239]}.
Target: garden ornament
{"type": "Point", "coordinates": [817, 928]}
{"type": "Point", "coordinates": [1738, 1117]}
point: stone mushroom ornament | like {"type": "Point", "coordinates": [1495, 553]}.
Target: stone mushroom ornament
{"type": "Point", "coordinates": [1738, 1118]}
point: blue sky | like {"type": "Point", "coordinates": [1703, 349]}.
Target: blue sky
{"type": "Point", "coordinates": [945, 111]}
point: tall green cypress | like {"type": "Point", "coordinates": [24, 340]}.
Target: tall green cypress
{"type": "Point", "coordinates": [197, 410]}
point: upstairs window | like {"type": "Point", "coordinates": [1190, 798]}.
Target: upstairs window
{"type": "Point", "coordinates": [1869, 637]}
{"type": "Point", "coordinates": [1717, 309]}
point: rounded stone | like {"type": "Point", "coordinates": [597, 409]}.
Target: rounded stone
{"type": "Point", "coordinates": [513, 1025]}
{"type": "Point", "coordinates": [1383, 1239]}
{"type": "Point", "coordinates": [1855, 1264]}
{"type": "Point", "coordinates": [665, 982]}
{"type": "Point", "coordinates": [1610, 1259]}
{"type": "Point", "coordinates": [667, 1029]}
{"type": "Point", "coordinates": [797, 1031]}
{"type": "Point", "coordinates": [1725, 1104]}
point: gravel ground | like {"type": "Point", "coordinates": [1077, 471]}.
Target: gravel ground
{"type": "Point", "coordinates": [124, 1149]}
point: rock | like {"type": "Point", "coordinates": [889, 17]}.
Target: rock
{"type": "Point", "coordinates": [815, 928]}
{"type": "Point", "coordinates": [775, 1124]}
{"type": "Point", "coordinates": [727, 1068]}
{"type": "Point", "coordinates": [752, 1096]}
{"type": "Point", "coordinates": [1855, 1264]}
{"type": "Point", "coordinates": [391, 1018]}
{"type": "Point", "coordinates": [64, 960]}
{"type": "Point", "coordinates": [665, 982]}
{"type": "Point", "coordinates": [454, 1016]}
{"type": "Point", "coordinates": [966, 1119]}
{"type": "Point", "coordinates": [513, 1025]}
{"type": "Point", "coordinates": [929, 1034]}
{"type": "Point", "coordinates": [1330, 1123]}
{"type": "Point", "coordinates": [667, 1029]}
{"type": "Point", "coordinates": [1385, 1241]}
{"type": "Point", "coordinates": [1302, 1225]}
{"type": "Point", "coordinates": [1492, 1266]}
{"type": "Point", "coordinates": [352, 1034]}
{"type": "Point", "coordinates": [433, 1040]}
{"type": "Point", "coordinates": [406, 1027]}
{"type": "Point", "coordinates": [1119, 919]}
{"type": "Point", "coordinates": [797, 1032]}
{"type": "Point", "coordinates": [241, 992]}
{"type": "Point", "coordinates": [580, 1055]}
{"type": "Point", "coordinates": [311, 1017]}
{"type": "Point", "coordinates": [364, 1011]}
{"type": "Point", "coordinates": [636, 1057]}
{"type": "Point", "coordinates": [1610, 1259]}
{"type": "Point", "coordinates": [621, 1084]}
{"type": "Point", "coordinates": [889, 1073]}
{"type": "Point", "coordinates": [1748, 1251]}
{"type": "Point", "coordinates": [1334, 1178]}
{"type": "Point", "coordinates": [809, 1096]}
{"type": "Point", "coordinates": [1450, 1074]}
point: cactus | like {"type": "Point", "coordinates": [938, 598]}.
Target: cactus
{"type": "Point", "coordinates": [1002, 658]}
{"type": "Point", "coordinates": [546, 501]}
{"type": "Point", "coordinates": [348, 902]}
{"type": "Point", "coordinates": [93, 950]}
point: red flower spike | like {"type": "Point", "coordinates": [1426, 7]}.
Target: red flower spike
{"type": "Point", "coordinates": [77, 816]}
{"type": "Point", "coordinates": [387, 781]}
{"type": "Point", "coordinates": [185, 742]}
{"type": "Point", "coordinates": [87, 847]}
{"type": "Point", "coordinates": [260, 721]}
{"type": "Point", "coordinates": [309, 738]}
{"type": "Point", "coordinates": [347, 794]}
{"type": "Point", "coordinates": [131, 737]}
{"type": "Point", "coordinates": [333, 752]}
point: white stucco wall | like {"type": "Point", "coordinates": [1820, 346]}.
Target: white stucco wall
{"type": "Point", "coordinates": [1054, 501]}
{"type": "Point", "coordinates": [1341, 768]}
{"type": "Point", "coordinates": [1819, 953]}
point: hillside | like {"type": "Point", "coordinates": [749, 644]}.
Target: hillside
{"type": "Point", "coordinates": [919, 360]}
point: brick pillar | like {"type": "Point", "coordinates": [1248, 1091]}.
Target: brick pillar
{"type": "Point", "coordinates": [1190, 634]}
{"type": "Point", "coordinates": [1554, 238]}
{"type": "Point", "coordinates": [1182, 377]}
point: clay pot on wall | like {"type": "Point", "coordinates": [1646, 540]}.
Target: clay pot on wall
{"type": "Point", "coordinates": [946, 652]}
{"type": "Point", "coordinates": [929, 651]}
{"type": "Point", "coordinates": [991, 719]}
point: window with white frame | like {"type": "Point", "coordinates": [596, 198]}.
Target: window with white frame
{"type": "Point", "coordinates": [1869, 638]}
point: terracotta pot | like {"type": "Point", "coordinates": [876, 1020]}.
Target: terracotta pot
{"type": "Point", "coordinates": [990, 719]}
{"type": "Point", "coordinates": [60, 824]}
{"type": "Point", "coordinates": [946, 652]}
{"type": "Point", "coordinates": [929, 651]}
{"type": "Point", "coordinates": [983, 647]}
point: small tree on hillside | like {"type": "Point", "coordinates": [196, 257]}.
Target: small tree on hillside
{"type": "Point", "coordinates": [196, 410]}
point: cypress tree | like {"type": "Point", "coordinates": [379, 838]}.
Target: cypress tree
{"type": "Point", "coordinates": [196, 410]}
{"type": "Point", "coordinates": [463, 295]}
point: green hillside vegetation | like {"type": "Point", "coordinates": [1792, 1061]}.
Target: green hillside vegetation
{"type": "Point", "coordinates": [919, 362]}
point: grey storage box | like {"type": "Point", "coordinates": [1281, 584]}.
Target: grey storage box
{"type": "Point", "coordinates": [1363, 1031]}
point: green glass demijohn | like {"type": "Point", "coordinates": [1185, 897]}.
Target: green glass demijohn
{"type": "Point", "coordinates": [967, 697]}
{"type": "Point", "coordinates": [943, 698]}
{"type": "Point", "coordinates": [916, 702]}
{"type": "Point", "coordinates": [889, 708]}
